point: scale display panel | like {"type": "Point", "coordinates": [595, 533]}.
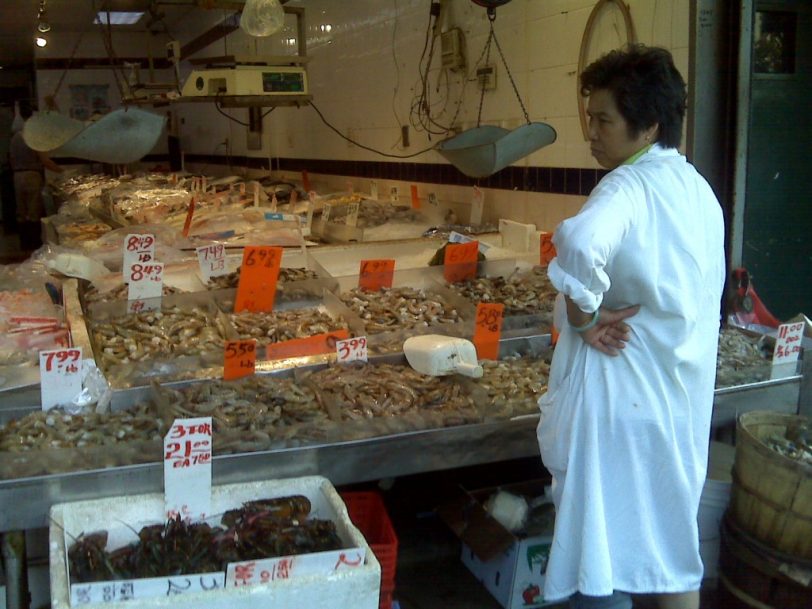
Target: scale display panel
{"type": "Point", "coordinates": [283, 82]}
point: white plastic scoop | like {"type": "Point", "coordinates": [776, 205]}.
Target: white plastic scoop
{"type": "Point", "coordinates": [438, 355]}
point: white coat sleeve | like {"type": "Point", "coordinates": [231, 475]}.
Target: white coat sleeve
{"type": "Point", "coordinates": [585, 242]}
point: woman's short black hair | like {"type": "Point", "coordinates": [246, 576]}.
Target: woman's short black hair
{"type": "Point", "coordinates": [646, 87]}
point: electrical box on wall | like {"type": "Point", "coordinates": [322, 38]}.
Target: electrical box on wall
{"type": "Point", "coordinates": [452, 49]}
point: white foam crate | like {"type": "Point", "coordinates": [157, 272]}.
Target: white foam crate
{"type": "Point", "coordinates": [358, 587]}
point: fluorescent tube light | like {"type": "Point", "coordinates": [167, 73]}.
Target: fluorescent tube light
{"type": "Point", "coordinates": [118, 17]}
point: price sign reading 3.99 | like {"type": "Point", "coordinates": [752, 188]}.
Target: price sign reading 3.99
{"type": "Point", "coordinates": [352, 349]}
{"type": "Point", "coordinates": [60, 373]}
{"type": "Point", "coordinates": [212, 261]}
{"type": "Point", "coordinates": [256, 291]}
{"type": "Point", "coordinates": [240, 358]}
{"type": "Point", "coordinates": [137, 248]}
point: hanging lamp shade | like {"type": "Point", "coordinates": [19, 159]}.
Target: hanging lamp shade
{"type": "Point", "coordinates": [482, 151]}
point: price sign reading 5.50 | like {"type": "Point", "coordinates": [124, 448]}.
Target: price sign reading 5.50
{"type": "Point", "coordinates": [376, 274]}
{"type": "Point", "coordinates": [488, 329]}
{"type": "Point", "coordinates": [352, 349]}
{"type": "Point", "coordinates": [137, 248]}
{"type": "Point", "coordinates": [260, 270]}
{"type": "Point", "coordinates": [212, 261]}
{"type": "Point", "coordinates": [60, 376]}
{"type": "Point", "coordinates": [240, 358]}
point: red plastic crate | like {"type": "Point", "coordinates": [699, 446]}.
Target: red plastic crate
{"type": "Point", "coordinates": [368, 512]}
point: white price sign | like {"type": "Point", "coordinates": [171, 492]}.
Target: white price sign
{"type": "Point", "coordinates": [394, 194]}
{"type": "Point", "coordinates": [60, 372]}
{"type": "Point", "coordinates": [146, 282]}
{"type": "Point", "coordinates": [267, 570]}
{"type": "Point", "coordinates": [212, 261]}
{"type": "Point", "coordinates": [352, 213]}
{"type": "Point", "coordinates": [373, 189]}
{"type": "Point", "coordinates": [187, 468]}
{"type": "Point", "coordinates": [325, 213]}
{"type": "Point", "coordinates": [787, 349]}
{"type": "Point", "coordinates": [477, 206]}
{"type": "Point", "coordinates": [455, 237]}
{"type": "Point", "coordinates": [137, 248]}
{"type": "Point", "coordinates": [352, 349]}
{"type": "Point", "coordinates": [433, 201]}
{"type": "Point", "coordinates": [151, 587]}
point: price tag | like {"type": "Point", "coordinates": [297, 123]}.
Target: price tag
{"type": "Point", "coordinates": [256, 290]}
{"type": "Point", "coordinates": [350, 187]}
{"type": "Point", "coordinates": [256, 194]}
{"type": "Point", "coordinates": [305, 180]}
{"type": "Point", "coordinates": [787, 349]}
{"type": "Point", "coordinates": [433, 201]}
{"type": "Point", "coordinates": [352, 213]}
{"type": "Point", "coordinates": [376, 274]}
{"type": "Point", "coordinates": [373, 189]}
{"type": "Point", "coordinates": [352, 349]}
{"type": "Point", "coordinates": [137, 248]}
{"type": "Point", "coordinates": [546, 248]}
{"type": "Point", "coordinates": [60, 372]}
{"type": "Point", "coordinates": [415, 198]}
{"type": "Point", "coordinates": [240, 359]}
{"type": "Point", "coordinates": [477, 206]}
{"type": "Point", "coordinates": [187, 224]}
{"type": "Point", "coordinates": [267, 570]}
{"type": "Point", "coordinates": [187, 469]}
{"type": "Point", "coordinates": [212, 261]}
{"type": "Point", "coordinates": [311, 207]}
{"type": "Point", "coordinates": [145, 287]}
{"type": "Point", "coordinates": [325, 213]}
{"type": "Point", "coordinates": [460, 261]}
{"type": "Point", "coordinates": [274, 202]}
{"type": "Point", "coordinates": [394, 194]}
{"type": "Point", "coordinates": [310, 345]}
{"type": "Point", "coordinates": [488, 329]}
{"type": "Point", "coordinates": [455, 237]}
{"type": "Point", "coordinates": [144, 588]}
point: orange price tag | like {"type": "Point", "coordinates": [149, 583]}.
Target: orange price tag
{"type": "Point", "coordinates": [460, 261]}
{"type": "Point", "coordinates": [241, 359]}
{"type": "Point", "coordinates": [305, 181]}
{"type": "Point", "coordinates": [376, 274]}
{"type": "Point", "coordinates": [311, 345]}
{"type": "Point", "coordinates": [488, 329]}
{"type": "Point", "coordinates": [415, 198]}
{"type": "Point", "coordinates": [188, 223]}
{"type": "Point", "coordinates": [257, 287]}
{"type": "Point", "coordinates": [546, 248]}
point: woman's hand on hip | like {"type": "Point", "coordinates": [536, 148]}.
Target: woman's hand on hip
{"type": "Point", "coordinates": [611, 333]}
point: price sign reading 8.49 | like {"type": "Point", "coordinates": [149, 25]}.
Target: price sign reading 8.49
{"type": "Point", "coordinates": [212, 261]}
{"type": "Point", "coordinates": [146, 282]}
{"type": "Point", "coordinates": [137, 248]}
{"type": "Point", "coordinates": [60, 376]}
{"type": "Point", "coordinates": [352, 349]}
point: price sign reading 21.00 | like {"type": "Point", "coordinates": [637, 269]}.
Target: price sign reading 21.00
{"type": "Point", "coordinates": [352, 349]}
{"type": "Point", "coordinates": [241, 358]}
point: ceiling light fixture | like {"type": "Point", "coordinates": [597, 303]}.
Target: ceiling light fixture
{"type": "Point", "coordinates": [42, 19]}
{"type": "Point", "coordinates": [41, 42]}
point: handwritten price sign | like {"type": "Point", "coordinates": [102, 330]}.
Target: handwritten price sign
{"type": "Point", "coordinates": [145, 287]}
{"type": "Point", "coordinates": [352, 349]}
{"type": "Point", "coordinates": [352, 213]}
{"type": "Point", "coordinates": [460, 261]}
{"type": "Point", "coordinates": [488, 329]}
{"type": "Point", "coordinates": [787, 350]}
{"type": "Point", "coordinates": [137, 248]}
{"type": "Point", "coordinates": [187, 468]}
{"type": "Point", "coordinates": [60, 373]}
{"type": "Point", "coordinates": [212, 261]}
{"type": "Point", "coordinates": [376, 274]}
{"type": "Point", "coordinates": [260, 270]}
{"type": "Point", "coordinates": [310, 345]}
{"type": "Point", "coordinates": [546, 248]}
{"type": "Point", "coordinates": [240, 359]}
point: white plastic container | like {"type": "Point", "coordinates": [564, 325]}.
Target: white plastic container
{"type": "Point", "coordinates": [357, 587]}
{"type": "Point", "coordinates": [438, 355]}
{"type": "Point", "coordinates": [713, 503]}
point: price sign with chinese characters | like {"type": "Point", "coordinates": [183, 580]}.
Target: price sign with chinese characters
{"type": "Point", "coordinates": [212, 261]}
{"type": "Point", "coordinates": [352, 349]}
{"type": "Point", "coordinates": [352, 213]}
{"type": "Point", "coordinates": [787, 349]}
{"type": "Point", "coordinates": [187, 468]}
{"type": "Point", "coordinates": [240, 359]}
{"type": "Point", "coordinates": [145, 287]}
{"type": "Point", "coordinates": [376, 274]}
{"type": "Point", "coordinates": [256, 290]}
{"type": "Point", "coordinates": [252, 572]}
{"type": "Point", "coordinates": [148, 587]}
{"type": "Point", "coordinates": [60, 372]}
{"type": "Point", "coordinates": [546, 248]}
{"type": "Point", "coordinates": [477, 206]}
{"type": "Point", "coordinates": [137, 248]}
{"type": "Point", "coordinates": [460, 261]}
{"type": "Point", "coordinates": [488, 329]}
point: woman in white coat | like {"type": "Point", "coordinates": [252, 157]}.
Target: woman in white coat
{"type": "Point", "coordinates": [626, 419]}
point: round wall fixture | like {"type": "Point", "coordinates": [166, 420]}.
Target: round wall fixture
{"type": "Point", "coordinates": [602, 10]}
{"type": "Point", "coordinates": [490, 3]}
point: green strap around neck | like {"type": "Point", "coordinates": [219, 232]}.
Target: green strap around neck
{"type": "Point", "coordinates": [637, 155]}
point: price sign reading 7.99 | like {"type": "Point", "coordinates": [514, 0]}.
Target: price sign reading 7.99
{"type": "Point", "coordinates": [60, 373]}
{"type": "Point", "coordinates": [260, 270]}
{"type": "Point", "coordinates": [352, 349]}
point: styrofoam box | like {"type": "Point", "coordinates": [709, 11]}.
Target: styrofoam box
{"type": "Point", "coordinates": [358, 587]}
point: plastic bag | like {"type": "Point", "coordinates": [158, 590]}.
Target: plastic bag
{"type": "Point", "coordinates": [262, 17]}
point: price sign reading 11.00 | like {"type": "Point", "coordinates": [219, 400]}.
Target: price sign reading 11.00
{"type": "Point", "coordinates": [241, 359]}
{"type": "Point", "coordinates": [256, 291]}
{"type": "Point", "coordinates": [352, 349]}
{"type": "Point", "coordinates": [212, 261]}
{"type": "Point", "coordinates": [60, 373]}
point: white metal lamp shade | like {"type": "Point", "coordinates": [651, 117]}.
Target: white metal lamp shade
{"type": "Point", "coordinates": [482, 151]}
{"type": "Point", "coordinates": [262, 17]}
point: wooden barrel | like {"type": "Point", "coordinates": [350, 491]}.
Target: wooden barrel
{"type": "Point", "coordinates": [751, 576]}
{"type": "Point", "coordinates": [771, 496]}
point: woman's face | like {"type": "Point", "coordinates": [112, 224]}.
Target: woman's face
{"type": "Point", "coordinates": [609, 138]}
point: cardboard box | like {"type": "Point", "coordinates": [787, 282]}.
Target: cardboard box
{"type": "Point", "coordinates": [510, 566]}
